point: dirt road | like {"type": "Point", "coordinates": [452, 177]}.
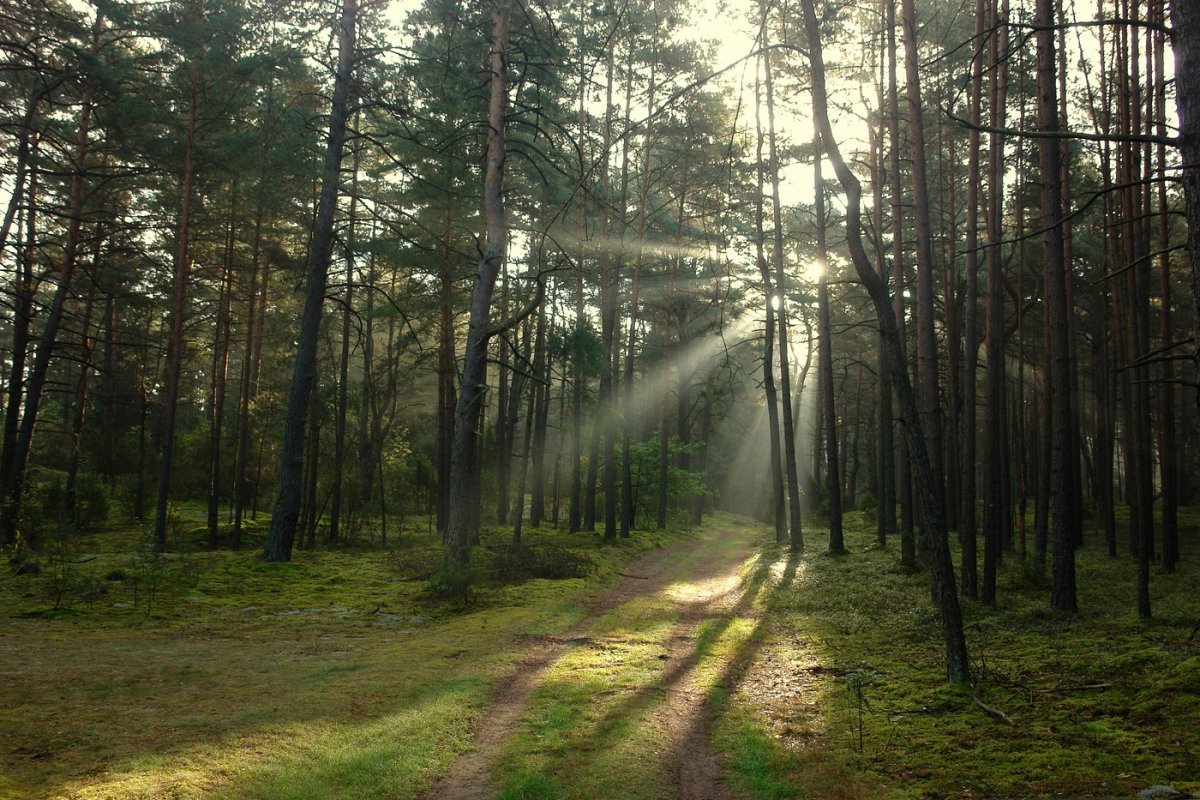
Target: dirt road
{"type": "Point", "coordinates": [683, 593]}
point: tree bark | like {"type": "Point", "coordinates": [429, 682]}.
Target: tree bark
{"type": "Point", "coordinates": [343, 390]}
{"type": "Point", "coordinates": [908, 554]}
{"type": "Point", "coordinates": [1062, 595]}
{"type": "Point", "coordinates": [82, 396]}
{"type": "Point", "coordinates": [1185, 43]}
{"type": "Point", "coordinates": [795, 532]}
{"type": "Point", "coordinates": [967, 493]}
{"type": "Point", "coordinates": [182, 266]}
{"type": "Point", "coordinates": [1168, 430]}
{"type": "Point", "coordinates": [464, 463]}
{"type": "Point", "coordinates": [995, 468]}
{"type": "Point", "coordinates": [282, 533]}
{"type": "Point", "coordinates": [36, 380]}
{"type": "Point", "coordinates": [23, 292]}
{"type": "Point", "coordinates": [927, 355]}
{"type": "Point", "coordinates": [825, 357]}
{"type": "Point", "coordinates": [931, 509]}
{"type": "Point", "coordinates": [778, 499]}
{"type": "Point", "coordinates": [220, 371]}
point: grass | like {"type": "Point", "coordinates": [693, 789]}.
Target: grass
{"type": "Point", "coordinates": [198, 674]}
{"type": "Point", "coordinates": [598, 725]}
{"type": "Point", "coordinates": [1104, 704]}
{"type": "Point", "coordinates": [215, 675]}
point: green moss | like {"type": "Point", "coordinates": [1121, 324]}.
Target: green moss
{"type": "Point", "coordinates": [1103, 704]}
{"type": "Point", "coordinates": [334, 675]}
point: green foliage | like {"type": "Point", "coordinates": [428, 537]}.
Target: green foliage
{"type": "Point", "coordinates": [456, 581]}
{"type": "Point", "coordinates": [682, 484]}
{"type": "Point", "coordinates": [514, 563]}
{"type": "Point", "coordinates": [579, 345]}
{"type": "Point", "coordinates": [858, 681]}
{"type": "Point", "coordinates": [46, 508]}
{"type": "Point", "coordinates": [147, 572]}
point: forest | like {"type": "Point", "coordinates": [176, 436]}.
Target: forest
{"type": "Point", "coordinates": [884, 317]}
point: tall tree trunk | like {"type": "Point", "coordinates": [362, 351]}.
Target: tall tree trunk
{"type": "Point", "coordinates": [1185, 44]}
{"type": "Point", "coordinates": [464, 463]}
{"type": "Point", "coordinates": [447, 398]}
{"type": "Point", "coordinates": [609, 333]}
{"type": "Point", "coordinates": [778, 498]}
{"type": "Point", "coordinates": [908, 554]}
{"type": "Point", "coordinates": [505, 396]}
{"type": "Point", "coordinates": [82, 397]}
{"type": "Point", "coordinates": [927, 355]}
{"type": "Point", "coordinates": [260, 335]}
{"type": "Point", "coordinates": [643, 212]}
{"type": "Point", "coordinates": [526, 440]}
{"type": "Point", "coordinates": [220, 371]}
{"type": "Point", "coordinates": [1062, 596]}
{"type": "Point", "coordinates": [931, 509]}
{"type": "Point", "coordinates": [183, 268]}
{"type": "Point", "coordinates": [259, 261]}
{"type": "Point", "coordinates": [370, 449]}
{"type": "Point", "coordinates": [343, 390]}
{"type": "Point", "coordinates": [282, 533]}
{"type": "Point", "coordinates": [967, 513]}
{"type": "Point", "coordinates": [26, 155]}
{"type": "Point", "coordinates": [995, 467]}
{"type": "Point", "coordinates": [35, 382]}
{"type": "Point", "coordinates": [542, 366]}
{"type": "Point", "coordinates": [1167, 431]}
{"type": "Point", "coordinates": [886, 447]}
{"type": "Point", "coordinates": [23, 292]}
{"type": "Point", "coordinates": [575, 513]}
{"type": "Point", "coordinates": [825, 357]}
{"type": "Point", "coordinates": [796, 535]}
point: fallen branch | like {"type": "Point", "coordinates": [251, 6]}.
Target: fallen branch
{"type": "Point", "coordinates": [639, 577]}
{"type": "Point", "coordinates": [994, 712]}
{"type": "Point", "coordinates": [1080, 688]}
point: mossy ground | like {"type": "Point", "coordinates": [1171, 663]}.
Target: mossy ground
{"type": "Point", "coordinates": [602, 723]}
{"type": "Point", "coordinates": [198, 674]}
{"type": "Point", "coordinates": [844, 696]}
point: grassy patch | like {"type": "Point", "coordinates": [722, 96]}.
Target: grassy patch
{"type": "Point", "coordinates": [847, 687]}
{"type": "Point", "coordinates": [214, 674]}
{"type": "Point", "coordinates": [596, 725]}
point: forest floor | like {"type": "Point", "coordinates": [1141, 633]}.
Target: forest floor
{"type": "Point", "coordinates": [680, 665]}
{"type": "Point", "coordinates": [616, 706]}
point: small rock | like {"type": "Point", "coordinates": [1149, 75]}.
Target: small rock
{"type": "Point", "coordinates": [390, 619]}
{"type": "Point", "coordinates": [122, 605]}
{"type": "Point", "coordinates": [1161, 792]}
{"type": "Point", "coordinates": [419, 620]}
{"type": "Point", "coordinates": [248, 609]}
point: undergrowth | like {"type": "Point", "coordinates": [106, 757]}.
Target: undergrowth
{"type": "Point", "coordinates": [846, 696]}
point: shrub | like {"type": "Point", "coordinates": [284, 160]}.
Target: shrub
{"type": "Point", "coordinates": [455, 581]}
{"type": "Point", "coordinates": [514, 563]}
